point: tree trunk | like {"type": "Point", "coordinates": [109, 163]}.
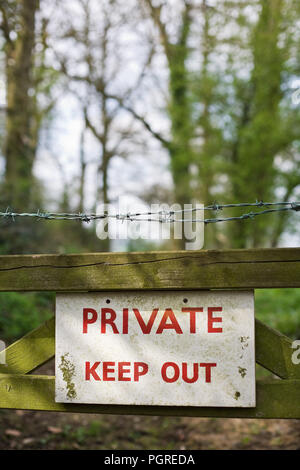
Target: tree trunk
{"type": "Point", "coordinates": [20, 144]}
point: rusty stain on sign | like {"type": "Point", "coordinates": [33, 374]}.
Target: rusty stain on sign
{"type": "Point", "coordinates": [191, 348]}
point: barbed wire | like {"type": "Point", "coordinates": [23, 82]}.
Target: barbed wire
{"type": "Point", "coordinates": [162, 216]}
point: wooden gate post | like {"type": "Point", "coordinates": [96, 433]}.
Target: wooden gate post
{"type": "Point", "coordinates": [199, 270]}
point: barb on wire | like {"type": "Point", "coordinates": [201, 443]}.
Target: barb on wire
{"type": "Point", "coordinates": [162, 216]}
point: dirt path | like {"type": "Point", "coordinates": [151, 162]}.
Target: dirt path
{"type": "Point", "coordinates": [42, 430]}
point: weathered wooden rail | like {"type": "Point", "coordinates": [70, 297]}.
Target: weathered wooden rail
{"type": "Point", "coordinates": [233, 269]}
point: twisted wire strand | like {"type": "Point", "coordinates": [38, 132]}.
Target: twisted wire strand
{"type": "Point", "coordinates": [161, 216]}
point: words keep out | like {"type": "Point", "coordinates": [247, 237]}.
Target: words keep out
{"type": "Point", "coordinates": [111, 371]}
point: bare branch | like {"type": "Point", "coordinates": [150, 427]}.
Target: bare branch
{"type": "Point", "coordinates": [4, 25]}
{"type": "Point", "coordinates": [90, 126]}
{"type": "Point", "coordinates": [141, 119]}
{"type": "Point", "coordinates": [156, 16]}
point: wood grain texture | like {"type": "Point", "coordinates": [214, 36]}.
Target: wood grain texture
{"type": "Point", "coordinates": [31, 351]}
{"type": "Point", "coordinates": [273, 351]}
{"type": "Point", "coordinates": [275, 399]}
{"type": "Point", "coordinates": [232, 269]}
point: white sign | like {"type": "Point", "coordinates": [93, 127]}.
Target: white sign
{"type": "Point", "coordinates": [156, 348]}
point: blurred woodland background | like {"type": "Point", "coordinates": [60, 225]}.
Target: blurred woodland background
{"type": "Point", "coordinates": [154, 102]}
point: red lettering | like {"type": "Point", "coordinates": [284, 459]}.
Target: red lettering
{"type": "Point", "coordinates": [140, 368]}
{"type": "Point", "coordinates": [125, 321]}
{"type": "Point", "coordinates": [164, 372]}
{"type": "Point", "coordinates": [195, 375]}
{"type": "Point", "coordinates": [122, 370]}
{"type": "Point", "coordinates": [146, 328]}
{"type": "Point", "coordinates": [211, 320]}
{"type": "Point", "coordinates": [174, 325]}
{"type": "Point", "coordinates": [108, 370]}
{"type": "Point", "coordinates": [86, 319]}
{"type": "Point", "coordinates": [208, 366]}
{"type": "Point", "coordinates": [192, 312]}
{"type": "Point", "coordinates": [91, 371]}
{"type": "Point", "coordinates": [108, 321]}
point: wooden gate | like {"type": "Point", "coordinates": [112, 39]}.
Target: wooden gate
{"type": "Point", "coordinates": [197, 270]}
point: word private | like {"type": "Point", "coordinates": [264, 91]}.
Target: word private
{"type": "Point", "coordinates": [168, 320]}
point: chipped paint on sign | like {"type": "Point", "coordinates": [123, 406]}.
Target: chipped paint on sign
{"type": "Point", "coordinates": [156, 348]}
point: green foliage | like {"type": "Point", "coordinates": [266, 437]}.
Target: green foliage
{"type": "Point", "coordinates": [233, 128]}
{"type": "Point", "coordinates": [279, 309]}
{"type": "Point", "coordinates": [21, 313]}
{"type": "Point", "coordinates": [142, 245]}
{"type": "Point", "coordinates": [242, 113]}
{"type": "Point", "coordinates": [84, 433]}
